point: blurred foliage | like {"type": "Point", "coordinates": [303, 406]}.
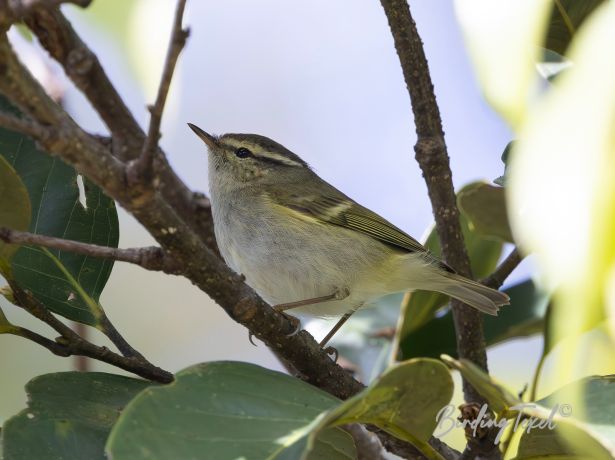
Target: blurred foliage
{"type": "Point", "coordinates": [505, 159]}
{"type": "Point", "coordinates": [566, 18]}
{"type": "Point", "coordinates": [485, 207]}
{"type": "Point", "coordinates": [501, 38]}
{"type": "Point", "coordinates": [561, 188]}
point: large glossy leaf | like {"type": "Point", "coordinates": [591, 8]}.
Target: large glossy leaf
{"type": "Point", "coordinates": [228, 410]}
{"type": "Point", "coordinates": [524, 316]}
{"type": "Point", "coordinates": [57, 211]}
{"type": "Point", "coordinates": [404, 401]}
{"type": "Point", "coordinates": [69, 416]}
{"type": "Point", "coordinates": [589, 432]}
{"type": "Point", "coordinates": [497, 395]}
{"type": "Point", "coordinates": [14, 210]}
{"type": "Point", "coordinates": [485, 207]}
{"type": "Point", "coordinates": [566, 18]}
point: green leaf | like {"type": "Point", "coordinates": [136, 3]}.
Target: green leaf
{"type": "Point", "coordinates": [505, 159]}
{"type": "Point", "coordinates": [485, 207]}
{"type": "Point", "coordinates": [566, 18]}
{"type": "Point", "coordinates": [227, 409]}
{"type": "Point", "coordinates": [524, 316]}
{"type": "Point", "coordinates": [57, 211]}
{"type": "Point", "coordinates": [421, 306]}
{"type": "Point", "coordinates": [14, 210]}
{"type": "Point", "coordinates": [501, 39]}
{"type": "Point", "coordinates": [497, 395]}
{"type": "Point", "coordinates": [403, 401]}
{"type": "Point", "coordinates": [552, 65]}
{"type": "Point", "coordinates": [6, 327]}
{"type": "Point", "coordinates": [69, 416]}
{"type": "Point", "coordinates": [585, 419]}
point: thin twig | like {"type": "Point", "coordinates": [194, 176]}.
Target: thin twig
{"type": "Point", "coordinates": [73, 344]}
{"type": "Point", "coordinates": [503, 271]}
{"type": "Point", "coordinates": [151, 258]}
{"type": "Point", "coordinates": [54, 347]}
{"type": "Point", "coordinates": [22, 125]}
{"type": "Point", "coordinates": [176, 44]}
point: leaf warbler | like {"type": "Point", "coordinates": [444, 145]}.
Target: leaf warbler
{"type": "Point", "coordinates": [302, 244]}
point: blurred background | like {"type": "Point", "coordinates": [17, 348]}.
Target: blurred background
{"type": "Point", "coordinates": [320, 77]}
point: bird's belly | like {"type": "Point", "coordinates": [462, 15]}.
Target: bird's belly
{"type": "Point", "coordinates": [285, 263]}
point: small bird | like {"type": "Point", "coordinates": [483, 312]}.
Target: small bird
{"type": "Point", "coordinates": [302, 244]}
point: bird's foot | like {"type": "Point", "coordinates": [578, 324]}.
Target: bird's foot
{"type": "Point", "coordinates": [332, 351]}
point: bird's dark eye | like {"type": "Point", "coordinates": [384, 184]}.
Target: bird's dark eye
{"type": "Point", "coordinates": [243, 152]}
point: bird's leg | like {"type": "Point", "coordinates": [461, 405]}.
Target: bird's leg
{"type": "Point", "coordinates": [339, 294]}
{"type": "Point", "coordinates": [338, 325]}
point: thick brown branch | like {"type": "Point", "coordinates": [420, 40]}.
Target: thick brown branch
{"type": "Point", "coordinates": [151, 258]}
{"type": "Point", "coordinates": [144, 164]}
{"type": "Point", "coordinates": [21, 8]}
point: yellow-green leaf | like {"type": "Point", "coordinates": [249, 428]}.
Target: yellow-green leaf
{"type": "Point", "coordinates": [502, 38]}
{"type": "Point", "coordinates": [14, 210]}
{"type": "Point", "coordinates": [485, 207]}
{"type": "Point", "coordinates": [562, 185]}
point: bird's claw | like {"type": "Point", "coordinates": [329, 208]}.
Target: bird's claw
{"type": "Point", "coordinates": [332, 351]}
{"type": "Point", "coordinates": [295, 323]}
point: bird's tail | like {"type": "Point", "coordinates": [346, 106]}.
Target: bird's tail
{"type": "Point", "coordinates": [472, 293]}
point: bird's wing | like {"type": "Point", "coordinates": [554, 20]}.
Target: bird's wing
{"type": "Point", "coordinates": [329, 205]}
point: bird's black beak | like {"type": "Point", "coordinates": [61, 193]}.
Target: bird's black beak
{"type": "Point", "coordinates": [210, 140]}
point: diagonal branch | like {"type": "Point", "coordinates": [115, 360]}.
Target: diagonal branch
{"type": "Point", "coordinates": [144, 164]}
{"type": "Point", "coordinates": [503, 271]}
{"type": "Point", "coordinates": [151, 258]}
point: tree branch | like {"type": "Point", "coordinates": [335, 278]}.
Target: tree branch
{"type": "Point", "coordinates": [23, 7]}
{"type": "Point", "coordinates": [151, 258]}
{"type": "Point", "coordinates": [70, 343]}
{"type": "Point", "coordinates": [432, 156]}
{"type": "Point", "coordinates": [503, 271]}
{"type": "Point", "coordinates": [144, 164]}
{"type": "Point", "coordinates": [23, 125]}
